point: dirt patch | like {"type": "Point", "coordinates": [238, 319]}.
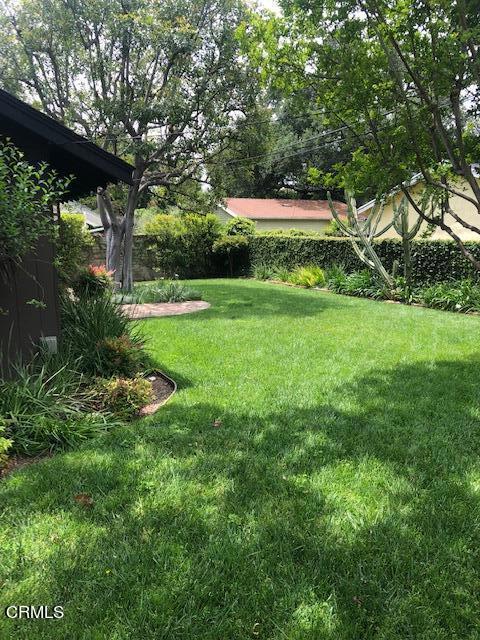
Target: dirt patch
{"type": "Point", "coordinates": [161, 309]}
{"type": "Point", "coordinates": [17, 462]}
{"type": "Point", "coordinates": [163, 388]}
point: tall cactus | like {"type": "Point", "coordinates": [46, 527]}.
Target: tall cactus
{"type": "Point", "coordinates": [363, 232]}
{"type": "Point", "coordinates": [401, 226]}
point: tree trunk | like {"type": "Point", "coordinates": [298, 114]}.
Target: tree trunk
{"type": "Point", "coordinates": [114, 228]}
{"type": "Point", "coordinates": [114, 237]}
{"type": "Point", "coordinates": [127, 275]}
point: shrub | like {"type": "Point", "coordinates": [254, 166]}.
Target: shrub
{"type": "Point", "coordinates": [72, 244]}
{"type": "Point", "coordinates": [333, 230]}
{"type": "Point", "coordinates": [240, 227]}
{"type": "Point", "coordinates": [201, 233]}
{"type": "Point", "coordinates": [124, 397]}
{"type": "Point", "coordinates": [165, 249]}
{"type": "Point", "coordinates": [100, 337]}
{"type": "Point", "coordinates": [27, 193]}
{"type": "Point", "coordinates": [310, 276]}
{"type": "Point", "coordinates": [43, 410]}
{"type": "Point", "coordinates": [159, 291]}
{"type": "Point", "coordinates": [462, 296]}
{"type": "Point", "coordinates": [93, 281]}
{"type": "Point", "coordinates": [182, 245]}
{"type": "Point", "coordinates": [432, 260]}
{"type": "Point", "coordinates": [118, 355]}
{"type": "Point", "coordinates": [233, 249]}
{"type": "Point", "coordinates": [5, 444]}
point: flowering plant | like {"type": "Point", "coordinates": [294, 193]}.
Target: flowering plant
{"type": "Point", "coordinates": [94, 281]}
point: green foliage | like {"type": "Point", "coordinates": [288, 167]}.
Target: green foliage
{"type": "Point", "coordinates": [462, 296]}
{"type": "Point", "coordinates": [234, 251]}
{"type": "Point", "coordinates": [93, 282]}
{"type": "Point", "coordinates": [281, 273]}
{"type": "Point", "coordinates": [122, 396]}
{"type": "Point", "coordinates": [240, 227]}
{"type": "Point", "coordinates": [308, 276]}
{"type": "Point", "coordinates": [358, 283]}
{"type": "Point", "coordinates": [333, 230]}
{"type": "Point", "coordinates": [201, 232]}
{"type": "Point", "coordinates": [292, 233]}
{"type": "Point", "coordinates": [159, 291]}
{"type": "Point", "coordinates": [27, 194]}
{"type": "Point", "coordinates": [432, 260]}
{"type": "Point", "coordinates": [166, 248]}
{"type": "Point", "coordinates": [382, 70]}
{"type": "Point", "coordinates": [71, 247]}
{"type": "Point", "coordinates": [5, 444]}
{"type": "Point", "coordinates": [182, 245]}
{"type": "Point", "coordinates": [42, 410]}
{"type": "Point", "coordinates": [263, 271]}
{"type": "Point", "coordinates": [100, 337]}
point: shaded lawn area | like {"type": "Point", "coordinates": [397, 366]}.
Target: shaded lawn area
{"type": "Point", "coordinates": [339, 498]}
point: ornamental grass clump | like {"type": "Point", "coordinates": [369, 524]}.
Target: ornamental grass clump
{"type": "Point", "coordinates": [309, 276]}
{"type": "Point", "coordinates": [43, 409]}
{"type": "Point", "coordinates": [100, 337]}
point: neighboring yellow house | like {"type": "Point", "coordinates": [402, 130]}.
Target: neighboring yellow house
{"type": "Point", "coordinates": [462, 208]}
{"type": "Point", "coordinates": [275, 213]}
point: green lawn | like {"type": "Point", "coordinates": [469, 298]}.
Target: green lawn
{"type": "Point", "coordinates": [338, 499]}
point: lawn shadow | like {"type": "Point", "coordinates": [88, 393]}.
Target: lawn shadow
{"type": "Point", "coordinates": [350, 519]}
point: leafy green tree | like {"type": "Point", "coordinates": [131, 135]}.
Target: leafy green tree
{"type": "Point", "coordinates": [156, 82]}
{"type": "Point", "coordinates": [402, 77]}
{"type": "Point", "coordinates": [27, 193]}
{"type": "Point", "coordinates": [240, 227]}
{"type": "Point", "coordinates": [276, 153]}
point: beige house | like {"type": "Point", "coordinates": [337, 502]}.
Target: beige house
{"type": "Point", "coordinates": [462, 208]}
{"type": "Point", "coordinates": [272, 213]}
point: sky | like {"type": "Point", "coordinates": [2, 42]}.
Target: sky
{"type": "Point", "coordinates": [269, 4]}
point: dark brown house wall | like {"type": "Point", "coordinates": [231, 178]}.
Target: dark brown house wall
{"type": "Point", "coordinates": [21, 324]}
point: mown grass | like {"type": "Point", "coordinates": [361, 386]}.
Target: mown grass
{"type": "Point", "coordinates": [338, 498]}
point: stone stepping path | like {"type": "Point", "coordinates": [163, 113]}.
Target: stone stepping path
{"type": "Point", "coordinates": [160, 309]}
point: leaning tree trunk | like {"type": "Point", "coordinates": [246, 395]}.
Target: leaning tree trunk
{"type": "Point", "coordinates": [127, 275]}
{"type": "Point", "coordinates": [114, 227]}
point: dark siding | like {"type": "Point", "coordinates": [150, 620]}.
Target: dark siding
{"type": "Point", "coordinates": [22, 325]}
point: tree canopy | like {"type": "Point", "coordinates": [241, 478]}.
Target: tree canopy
{"type": "Point", "coordinates": [156, 81]}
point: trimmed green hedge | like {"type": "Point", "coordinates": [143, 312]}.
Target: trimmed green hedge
{"type": "Point", "coordinates": [433, 260]}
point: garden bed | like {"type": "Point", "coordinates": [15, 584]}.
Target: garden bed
{"type": "Point", "coordinates": [163, 389]}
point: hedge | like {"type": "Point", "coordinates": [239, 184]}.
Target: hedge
{"type": "Point", "coordinates": [432, 260]}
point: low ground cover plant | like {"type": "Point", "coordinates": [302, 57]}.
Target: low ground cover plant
{"type": "Point", "coordinates": [159, 291]}
{"type": "Point", "coordinates": [45, 408]}
{"type": "Point", "coordinates": [123, 397]}
{"type": "Point", "coordinates": [309, 276]}
{"type": "Point", "coordinates": [304, 276]}
{"type": "Point", "coordinates": [462, 296]}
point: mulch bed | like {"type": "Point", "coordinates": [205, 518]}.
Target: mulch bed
{"type": "Point", "coordinates": [163, 388]}
{"type": "Point", "coordinates": [17, 462]}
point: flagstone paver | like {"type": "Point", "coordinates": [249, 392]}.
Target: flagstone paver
{"type": "Point", "coordinates": [158, 309]}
